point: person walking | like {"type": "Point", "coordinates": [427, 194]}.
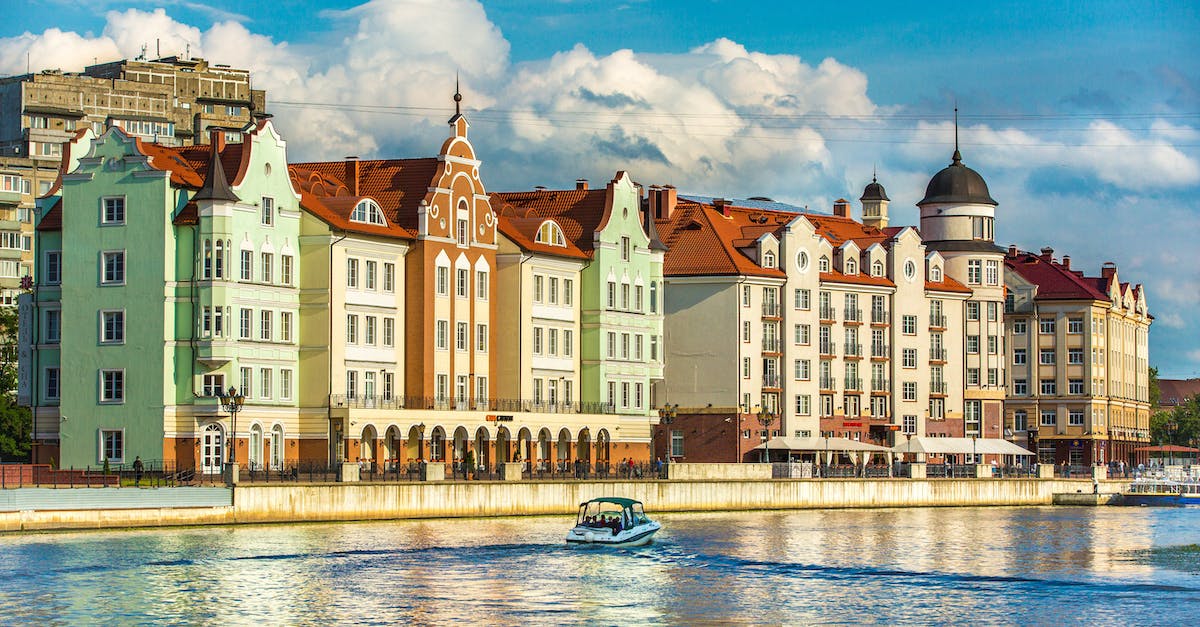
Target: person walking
{"type": "Point", "coordinates": [138, 468]}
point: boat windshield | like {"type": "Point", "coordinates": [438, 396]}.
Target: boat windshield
{"type": "Point", "coordinates": [603, 515]}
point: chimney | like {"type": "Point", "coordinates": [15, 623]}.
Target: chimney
{"type": "Point", "coordinates": [1047, 253]}
{"type": "Point", "coordinates": [652, 199]}
{"type": "Point", "coordinates": [841, 208]}
{"type": "Point", "coordinates": [352, 175]}
{"type": "Point", "coordinates": [722, 205]}
{"type": "Point", "coordinates": [1012, 250]}
{"type": "Point", "coordinates": [666, 206]}
{"type": "Point", "coordinates": [581, 184]}
{"type": "Point", "coordinates": [1108, 270]}
{"type": "Point", "coordinates": [1066, 262]}
{"type": "Point", "coordinates": [216, 137]}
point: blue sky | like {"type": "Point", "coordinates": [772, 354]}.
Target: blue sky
{"type": "Point", "coordinates": [1084, 117]}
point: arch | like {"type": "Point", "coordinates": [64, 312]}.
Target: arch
{"type": "Point", "coordinates": [459, 443]}
{"type": "Point", "coordinates": [483, 456]}
{"type": "Point", "coordinates": [437, 444]}
{"type": "Point", "coordinates": [543, 444]}
{"type": "Point", "coordinates": [275, 450]}
{"type": "Point", "coordinates": [219, 260]}
{"type": "Point", "coordinates": [367, 442]}
{"type": "Point", "coordinates": [394, 446]}
{"type": "Point", "coordinates": [414, 446]}
{"type": "Point", "coordinates": [583, 446]}
{"type": "Point", "coordinates": [823, 264]}
{"type": "Point", "coordinates": [503, 445]}
{"type": "Point", "coordinates": [256, 447]}
{"type": "Point", "coordinates": [551, 234]}
{"type": "Point", "coordinates": [603, 447]}
{"type": "Point", "coordinates": [564, 445]}
{"type": "Point", "coordinates": [525, 444]}
{"type": "Point", "coordinates": [368, 211]}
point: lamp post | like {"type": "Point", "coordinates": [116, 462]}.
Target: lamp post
{"type": "Point", "coordinates": [232, 402]}
{"type": "Point", "coordinates": [666, 416]}
{"type": "Point", "coordinates": [766, 418]}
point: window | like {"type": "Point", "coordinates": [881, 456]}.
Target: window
{"type": "Point", "coordinates": [993, 309]}
{"type": "Point", "coordinates": [935, 274]}
{"type": "Point", "coordinates": [53, 268]}
{"type": "Point", "coordinates": [352, 272]}
{"type": "Point", "coordinates": [637, 347]}
{"type": "Point", "coordinates": [370, 268]}
{"type": "Point", "coordinates": [972, 413]}
{"type": "Point", "coordinates": [1020, 420]}
{"type": "Point", "coordinates": [247, 379]}
{"type": "Point", "coordinates": [910, 424]}
{"type": "Point", "coordinates": [877, 268]}
{"type": "Point", "coordinates": [745, 331]}
{"type": "Point", "coordinates": [442, 335]}
{"type": "Point", "coordinates": [389, 277]}
{"type": "Point", "coordinates": [768, 259]}
{"type": "Point", "coordinates": [285, 269]}
{"type": "Point", "coordinates": [285, 326]}
{"type": "Point", "coordinates": [53, 326]}
{"type": "Point", "coordinates": [624, 346]}
{"type": "Point", "coordinates": [461, 336]}
{"type": "Point", "coordinates": [803, 334]}
{"type": "Point", "coordinates": [910, 391]}
{"type": "Point", "coordinates": [264, 330]}
{"type": "Point", "coordinates": [538, 334]}
{"type": "Point", "coordinates": [1046, 326]}
{"type": "Point", "coordinates": [803, 405]}
{"type": "Point", "coordinates": [625, 296]}
{"type": "Point", "coordinates": [1075, 356]}
{"type": "Point", "coordinates": [112, 386]}
{"type": "Point", "coordinates": [973, 376]}
{"type": "Point", "coordinates": [112, 445]}
{"type": "Point", "coordinates": [389, 331]}
{"type": "Point", "coordinates": [993, 377]}
{"type": "Point", "coordinates": [909, 357]}
{"type": "Point", "coordinates": [624, 248]}
{"type": "Point", "coordinates": [972, 310]}
{"type": "Point", "coordinates": [538, 292]}
{"type": "Point", "coordinates": [267, 270]}
{"type": "Point", "coordinates": [1019, 327]}
{"type": "Point", "coordinates": [1075, 325]}
{"type": "Point", "coordinates": [247, 265]}
{"type": "Point", "coordinates": [851, 266]}
{"type": "Point", "coordinates": [823, 264]}
{"type": "Point", "coordinates": [1019, 357]}
{"type": "Point", "coordinates": [974, 272]}
{"type": "Point", "coordinates": [803, 369]}
{"type": "Point", "coordinates": [1049, 387]}
{"type": "Point", "coordinates": [352, 328]}
{"type": "Point", "coordinates": [549, 234]}
{"type": "Point", "coordinates": [443, 281]}
{"type": "Point", "coordinates": [369, 212]}
{"type": "Point", "coordinates": [53, 384]}
{"type": "Point", "coordinates": [612, 295]}
{"type": "Point", "coordinates": [1020, 387]}
{"type": "Point", "coordinates": [653, 295]}
{"type": "Point", "coordinates": [114, 267]}
{"type": "Point", "coordinates": [637, 298]}
{"type": "Point", "coordinates": [908, 325]}
{"type": "Point", "coordinates": [972, 344]}
{"type": "Point", "coordinates": [112, 325]}
{"type": "Point", "coordinates": [745, 296]}
{"type": "Point", "coordinates": [461, 286]}
{"type": "Point", "coordinates": [993, 345]}
{"type": "Point", "coordinates": [481, 338]}
{"type": "Point", "coordinates": [244, 324]}
{"type": "Point", "coordinates": [745, 367]}
{"type": "Point", "coordinates": [264, 382]}
{"type": "Point", "coordinates": [1046, 357]}
{"type": "Point", "coordinates": [285, 385]}
{"type": "Point", "coordinates": [351, 384]}
{"type": "Point", "coordinates": [114, 211]}
{"type": "Point", "coordinates": [1075, 418]}
{"type": "Point", "coordinates": [268, 210]}
{"type": "Point", "coordinates": [1075, 386]}
{"type": "Point", "coordinates": [464, 232]}
{"type": "Point", "coordinates": [676, 443]}
{"type": "Point", "coordinates": [981, 227]}
{"type": "Point", "coordinates": [612, 345]}
{"type": "Point", "coordinates": [993, 272]}
{"type": "Point", "coordinates": [369, 327]}
{"type": "Point", "coordinates": [803, 299]}
{"type": "Point", "coordinates": [569, 337]}
{"type": "Point", "coordinates": [553, 292]}
{"type": "Point", "coordinates": [1049, 418]}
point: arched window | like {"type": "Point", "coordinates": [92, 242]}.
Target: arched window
{"type": "Point", "coordinates": [768, 259]}
{"type": "Point", "coordinates": [935, 274]}
{"type": "Point", "coordinates": [256, 447]}
{"type": "Point", "coordinates": [877, 268]}
{"type": "Point", "coordinates": [219, 260]}
{"type": "Point", "coordinates": [277, 447]}
{"type": "Point", "coordinates": [549, 234]}
{"type": "Point", "coordinates": [208, 253]}
{"type": "Point", "coordinates": [823, 264]}
{"type": "Point", "coordinates": [851, 266]}
{"type": "Point", "coordinates": [369, 212]}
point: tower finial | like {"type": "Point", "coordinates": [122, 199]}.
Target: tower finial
{"type": "Point", "coordinates": [457, 96]}
{"type": "Point", "coordinates": [957, 158]}
{"type": "Point", "coordinates": [873, 173]}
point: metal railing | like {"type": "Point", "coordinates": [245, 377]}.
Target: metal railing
{"type": "Point", "coordinates": [879, 316]}
{"type": "Point", "coordinates": [853, 349]}
{"type": "Point", "coordinates": [827, 383]}
{"type": "Point", "coordinates": [770, 380]}
{"type": "Point", "coordinates": [879, 350]}
{"type": "Point", "coordinates": [937, 387]}
{"type": "Point", "coordinates": [828, 313]}
{"type": "Point", "coordinates": [853, 383]}
{"type": "Point", "coordinates": [937, 320]}
{"type": "Point", "coordinates": [770, 310]}
{"type": "Point", "coordinates": [469, 404]}
{"type": "Point", "coordinates": [770, 345]}
{"type": "Point", "coordinates": [826, 348]}
{"type": "Point", "coordinates": [853, 315]}
{"type": "Point", "coordinates": [879, 385]}
{"type": "Point", "coordinates": [937, 354]}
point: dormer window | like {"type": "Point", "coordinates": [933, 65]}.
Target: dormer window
{"type": "Point", "coordinates": [877, 268]}
{"type": "Point", "coordinates": [935, 274]}
{"type": "Point", "coordinates": [851, 267]}
{"type": "Point", "coordinates": [823, 264]}
{"type": "Point", "coordinates": [368, 211]}
{"type": "Point", "coordinates": [550, 234]}
{"type": "Point", "coordinates": [768, 259]}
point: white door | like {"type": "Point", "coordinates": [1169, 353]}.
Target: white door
{"type": "Point", "coordinates": [212, 450]}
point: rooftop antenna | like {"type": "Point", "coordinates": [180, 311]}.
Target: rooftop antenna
{"type": "Point", "coordinates": [457, 95]}
{"type": "Point", "coordinates": [142, 57]}
{"type": "Point", "coordinates": [157, 48]}
{"type": "Point", "coordinates": [187, 52]}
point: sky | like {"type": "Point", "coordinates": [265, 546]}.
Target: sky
{"type": "Point", "coordinates": [1083, 117]}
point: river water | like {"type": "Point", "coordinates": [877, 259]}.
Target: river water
{"type": "Point", "coordinates": [964, 566]}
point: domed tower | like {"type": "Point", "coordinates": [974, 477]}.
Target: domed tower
{"type": "Point", "coordinates": [957, 215]}
{"type": "Point", "coordinates": [874, 204]}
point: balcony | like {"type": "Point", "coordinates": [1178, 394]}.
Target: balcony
{"type": "Point", "coordinates": [938, 388]}
{"type": "Point", "coordinates": [827, 313]}
{"type": "Point", "coordinates": [853, 315]}
{"type": "Point", "coordinates": [937, 321]}
{"type": "Point", "coordinates": [770, 345]}
{"type": "Point", "coordinates": [827, 348]}
{"type": "Point", "coordinates": [879, 350]}
{"type": "Point", "coordinates": [770, 381]}
{"type": "Point", "coordinates": [449, 403]}
{"type": "Point", "coordinates": [937, 354]}
{"type": "Point", "coordinates": [770, 310]}
{"type": "Point", "coordinates": [827, 383]}
{"type": "Point", "coordinates": [879, 316]}
{"type": "Point", "coordinates": [879, 385]}
{"type": "Point", "coordinates": [853, 384]}
{"type": "Point", "coordinates": [853, 350]}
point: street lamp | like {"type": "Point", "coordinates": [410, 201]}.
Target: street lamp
{"type": "Point", "coordinates": [232, 402]}
{"type": "Point", "coordinates": [666, 416]}
{"type": "Point", "coordinates": [766, 418]}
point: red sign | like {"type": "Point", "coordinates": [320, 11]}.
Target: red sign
{"type": "Point", "coordinates": [852, 424]}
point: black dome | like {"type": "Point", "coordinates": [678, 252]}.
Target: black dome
{"type": "Point", "coordinates": [957, 183]}
{"type": "Point", "coordinates": [874, 191]}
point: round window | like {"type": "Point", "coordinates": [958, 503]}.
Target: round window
{"type": "Point", "coordinates": [910, 269]}
{"type": "Point", "coordinates": [802, 261]}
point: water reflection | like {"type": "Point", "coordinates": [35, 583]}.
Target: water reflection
{"type": "Point", "coordinates": [982, 566]}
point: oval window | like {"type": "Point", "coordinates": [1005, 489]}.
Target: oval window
{"type": "Point", "coordinates": [802, 261]}
{"type": "Point", "coordinates": [910, 270]}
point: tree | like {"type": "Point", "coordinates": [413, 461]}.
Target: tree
{"type": "Point", "coordinates": [16, 423]}
{"type": "Point", "coordinates": [1155, 393]}
{"type": "Point", "coordinates": [1179, 426]}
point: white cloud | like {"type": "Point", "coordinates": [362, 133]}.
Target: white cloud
{"type": "Point", "coordinates": [1171, 319]}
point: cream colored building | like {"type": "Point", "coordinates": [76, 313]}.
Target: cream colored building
{"type": "Point", "coordinates": [1079, 379]}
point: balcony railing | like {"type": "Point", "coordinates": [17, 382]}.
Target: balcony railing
{"type": "Point", "coordinates": [937, 387]}
{"type": "Point", "coordinates": [879, 350]}
{"type": "Point", "coordinates": [937, 354]}
{"type": "Point", "coordinates": [937, 320]}
{"type": "Point", "coordinates": [879, 316]}
{"type": "Point", "coordinates": [879, 385]}
{"type": "Point", "coordinates": [827, 383]}
{"type": "Point", "coordinates": [853, 350]}
{"type": "Point", "coordinates": [853, 315]}
{"type": "Point", "coordinates": [514, 405]}
{"type": "Point", "coordinates": [826, 348]}
{"type": "Point", "coordinates": [770, 345]}
{"type": "Point", "coordinates": [853, 383]}
{"type": "Point", "coordinates": [770, 380]}
{"type": "Point", "coordinates": [770, 310]}
{"type": "Point", "coordinates": [828, 313]}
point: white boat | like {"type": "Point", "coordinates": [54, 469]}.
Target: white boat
{"type": "Point", "coordinates": [612, 521]}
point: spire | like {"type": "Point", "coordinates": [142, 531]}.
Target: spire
{"type": "Point", "coordinates": [957, 158]}
{"type": "Point", "coordinates": [874, 171]}
{"type": "Point", "coordinates": [458, 96]}
{"type": "Point", "coordinates": [216, 186]}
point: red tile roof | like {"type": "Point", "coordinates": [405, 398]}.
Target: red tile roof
{"type": "Point", "coordinates": [579, 212]}
{"type": "Point", "coordinates": [1175, 392]}
{"type": "Point", "coordinates": [330, 190]}
{"type": "Point", "coordinates": [703, 242]}
{"type": "Point", "coordinates": [855, 279]}
{"type": "Point", "coordinates": [523, 233]}
{"type": "Point", "coordinates": [1054, 280]}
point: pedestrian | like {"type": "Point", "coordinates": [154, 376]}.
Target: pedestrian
{"type": "Point", "coordinates": [138, 467]}
{"type": "Point", "coordinates": [658, 466]}
{"type": "Point", "coordinates": [1095, 486]}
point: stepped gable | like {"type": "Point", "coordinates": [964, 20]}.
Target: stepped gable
{"type": "Point", "coordinates": [397, 185]}
{"type": "Point", "coordinates": [703, 241]}
{"type": "Point", "coordinates": [578, 212]}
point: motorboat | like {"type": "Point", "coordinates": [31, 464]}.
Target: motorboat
{"type": "Point", "coordinates": [1163, 491]}
{"type": "Point", "coordinates": [612, 521]}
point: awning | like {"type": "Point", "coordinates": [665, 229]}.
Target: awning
{"type": "Point", "coordinates": [958, 446]}
{"type": "Point", "coordinates": [1167, 448]}
{"type": "Point", "coordinates": [819, 444]}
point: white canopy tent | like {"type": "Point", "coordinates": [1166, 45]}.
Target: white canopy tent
{"type": "Point", "coordinates": [828, 446]}
{"type": "Point", "coordinates": [925, 445]}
